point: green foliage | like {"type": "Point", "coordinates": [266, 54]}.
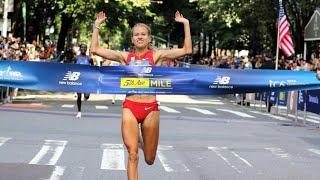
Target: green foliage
{"type": "Point", "coordinates": [234, 24]}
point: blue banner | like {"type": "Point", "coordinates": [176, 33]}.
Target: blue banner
{"type": "Point", "coordinates": [282, 98]}
{"type": "Point", "coordinates": [313, 98]}
{"type": "Point", "coordinates": [302, 98]}
{"type": "Point", "coordinates": [278, 97]}
{"type": "Point", "coordinates": [310, 99]}
{"type": "Point", "coordinates": [273, 97]}
{"type": "Point", "coordinates": [150, 80]}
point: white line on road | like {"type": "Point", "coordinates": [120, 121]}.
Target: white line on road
{"type": "Point", "coordinates": [51, 147]}
{"type": "Point", "coordinates": [237, 113]}
{"type": "Point", "coordinates": [57, 173]}
{"type": "Point", "coordinates": [203, 111]}
{"type": "Point", "coordinates": [278, 152]}
{"type": "Point", "coordinates": [170, 164]}
{"type": "Point", "coordinates": [113, 157]}
{"type": "Point", "coordinates": [67, 106]}
{"type": "Point", "coordinates": [164, 163]}
{"type": "Point", "coordinates": [163, 159]}
{"type": "Point", "coordinates": [241, 158]}
{"type": "Point", "coordinates": [102, 107]}
{"type": "Point", "coordinates": [271, 115]}
{"type": "Point", "coordinates": [81, 172]}
{"type": "Point", "coordinates": [170, 110]}
{"type": "Point", "coordinates": [316, 151]}
{"type": "Point", "coordinates": [216, 150]}
{"type": "Point", "coordinates": [3, 140]}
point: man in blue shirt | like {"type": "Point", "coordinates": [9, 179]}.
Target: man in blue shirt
{"type": "Point", "coordinates": [83, 59]}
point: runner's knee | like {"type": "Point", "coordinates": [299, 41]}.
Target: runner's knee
{"type": "Point", "coordinates": [150, 160]}
{"type": "Point", "coordinates": [133, 157]}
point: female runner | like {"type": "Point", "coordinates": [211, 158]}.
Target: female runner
{"type": "Point", "coordinates": [137, 108]}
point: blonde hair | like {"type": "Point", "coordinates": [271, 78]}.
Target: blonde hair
{"type": "Point", "coordinates": [150, 46]}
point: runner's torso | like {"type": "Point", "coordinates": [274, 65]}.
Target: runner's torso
{"type": "Point", "coordinates": [80, 59]}
{"type": "Point", "coordinates": [144, 60]}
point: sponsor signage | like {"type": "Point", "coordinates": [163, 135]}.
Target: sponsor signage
{"type": "Point", "coordinates": [151, 80]}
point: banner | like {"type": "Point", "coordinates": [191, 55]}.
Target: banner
{"type": "Point", "coordinates": [278, 97]}
{"type": "Point", "coordinates": [310, 99]}
{"type": "Point", "coordinates": [273, 96]}
{"type": "Point", "coordinates": [313, 98]}
{"type": "Point", "coordinates": [302, 100]}
{"type": "Point", "coordinates": [150, 80]}
{"type": "Point", "coordinates": [282, 98]}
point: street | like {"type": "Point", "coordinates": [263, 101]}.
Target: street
{"type": "Point", "coordinates": [201, 137]}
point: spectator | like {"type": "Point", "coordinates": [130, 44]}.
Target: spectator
{"type": "Point", "coordinates": [268, 64]}
{"type": "Point", "coordinates": [295, 66]}
{"type": "Point", "coordinates": [304, 66]}
{"type": "Point", "coordinates": [247, 63]}
{"type": "Point", "coordinates": [282, 62]}
{"type": "Point", "coordinates": [258, 63]}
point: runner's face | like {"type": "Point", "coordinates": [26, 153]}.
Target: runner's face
{"type": "Point", "coordinates": [140, 37]}
{"type": "Point", "coordinates": [83, 49]}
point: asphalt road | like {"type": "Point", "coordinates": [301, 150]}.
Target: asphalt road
{"type": "Point", "coordinates": [42, 139]}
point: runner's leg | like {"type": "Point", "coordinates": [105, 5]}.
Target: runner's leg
{"type": "Point", "coordinates": [130, 131]}
{"type": "Point", "coordinates": [86, 96]}
{"type": "Point", "coordinates": [79, 101]}
{"type": "Point", "coordinates": [113, 98]}
{"type": "Point", "coordinates": [79, 105]}
{"type": "Point", "coordinates": [150, 135]}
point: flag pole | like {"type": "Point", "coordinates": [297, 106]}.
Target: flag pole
{"type": "Point", "coordinates": [277, 52]}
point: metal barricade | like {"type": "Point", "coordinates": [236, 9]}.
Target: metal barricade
{"type": "Point", "coordinates": [1, 95]}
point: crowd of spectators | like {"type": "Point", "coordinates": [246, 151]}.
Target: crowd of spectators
{"type": "Point", "coordinates": [265, 61]}
{"type": "Point", "coordinates": [13, 48]}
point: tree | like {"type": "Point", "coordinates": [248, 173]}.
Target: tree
{"type": "Point", "coordinates": [229, 24]}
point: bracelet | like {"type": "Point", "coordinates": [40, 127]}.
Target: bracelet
{"type": "Point", "coordinates": [97, 27]}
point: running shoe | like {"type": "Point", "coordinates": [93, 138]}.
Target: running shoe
{"type": "Point", "coordinates": [78, 115]}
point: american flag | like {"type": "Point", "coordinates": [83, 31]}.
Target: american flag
{"type": "Point", "coordinates": [285, 41]}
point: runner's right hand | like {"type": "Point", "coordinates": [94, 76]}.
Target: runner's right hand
{"type": "Point", "coordinates": [100, 19]}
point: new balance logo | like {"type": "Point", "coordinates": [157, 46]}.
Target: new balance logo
{"type": "Point", "coordinates": [71, 79]}
{"type": "Point", "coordinates": [146, 70]}
{"type": "Point", "coordinates": [222, 80]}
{"type": "Point", "coordinates": [71, 76]}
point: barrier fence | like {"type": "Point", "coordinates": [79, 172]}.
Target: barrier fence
{"type": "Point", "coordinates": [306, 101]}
